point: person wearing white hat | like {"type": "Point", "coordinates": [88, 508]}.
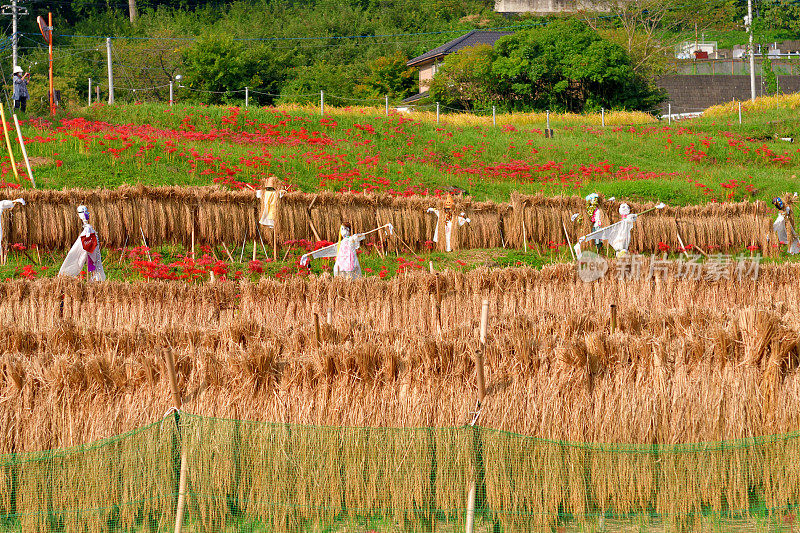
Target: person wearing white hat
{"type": "Point", "coordinates": [20, 95]}
{"type": "Point", "coordinates": [85, 251]}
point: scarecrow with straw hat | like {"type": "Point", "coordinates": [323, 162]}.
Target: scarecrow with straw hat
{"type": "Point", "coordinates": [346, 265]}
{"type": "Point", "coordinates": [269, 197]}
{"type": "Point", "coordinates": [445, 223]}
{"type": "Point", "coordinates": [784, 224]}
{"type": "Point", "coordinates": [85, 251]}
{"type": "Point", "coordinates": [7, 205]}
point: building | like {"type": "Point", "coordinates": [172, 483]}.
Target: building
{"type": "Point", "coordinates": [548, 6]}
{"type": "Point", "coordinates": [430, 61]}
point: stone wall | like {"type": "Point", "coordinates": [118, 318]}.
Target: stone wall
{"type": "Point", "coordinates": [692, 93]}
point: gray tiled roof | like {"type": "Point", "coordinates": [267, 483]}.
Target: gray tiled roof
{"type": "Point", "coordinates": [472, 38]}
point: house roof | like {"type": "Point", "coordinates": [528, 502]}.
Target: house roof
{"type": "Point", "coordinates": [472, 38]}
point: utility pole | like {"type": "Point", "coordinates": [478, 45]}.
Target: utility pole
{"type": "Point", "coordinates": [15, 12]}
{"type": "Point", "coordinates": [749, 23]}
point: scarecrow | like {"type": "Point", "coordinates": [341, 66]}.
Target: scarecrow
{"type": "Point", "coordinates": [446, 222]}
{"type": "Point", "coordinates": [618, 234]}
{"type": "Point", "coordinates": [784, 225]}
{"type": "Point", "coordinates": [269, 202]}
{"type": "Point", "coordinates": [85, 251]}
{"type": "Point", "coordinates": [596, 217]}
{"type": "Point", "coordinates": [346, 265]}
{"type": "Point", "coordinates": [7, 205]}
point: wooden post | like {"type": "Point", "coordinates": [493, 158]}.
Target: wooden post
{"type": "Point", "coordinates": [473, 487]}
{"type": "Point", "coordinates": [479, 361]}
{"type": "Point", "coordinates": [275, 243]}
{"type": "Point", "coordinates": [254, 249]}
{"type": "Point", "coordinates": [329, 318]}
{"type": "Point", "coordinates": [613, 318]}
{"type": "Point", "coordinates": [317, 332]}
{"type": "Point", "coordinates": [192, 233]}
{"type": "Point", "coordinates": [177, 404]}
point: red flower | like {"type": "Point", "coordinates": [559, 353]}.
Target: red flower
{"type": "Point", "coordinates": [663, 247]}
{"type": "Point", "coordinates": [256, 267]}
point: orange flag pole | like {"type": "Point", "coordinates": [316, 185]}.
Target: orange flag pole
{"type": "Point", "coordinates": [50, 43]}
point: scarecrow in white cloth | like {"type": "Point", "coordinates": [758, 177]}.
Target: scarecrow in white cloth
{"type": "Point", "coordinates": [85, 251]}
{"type": "Point", "coordinates": [596, 217]}
{"type": "Point", "coordinates": [449, 204]}
{"type": "Point", "coordinates": [784, 226]}
{"type": "Point", "coordinates": [269, 197]}
{"type": "Point", "coordinates": [346, 265]}
{"type": "Point", "coordinates": [618, 234]}
{"type": "Point", "coordinates": [5, 205]}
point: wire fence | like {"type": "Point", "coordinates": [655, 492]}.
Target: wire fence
{"type": "Point", "coordinates": [223, 475]}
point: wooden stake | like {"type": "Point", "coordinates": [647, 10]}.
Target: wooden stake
{"type": "Point", "coordinates": [330, 316]}
{"type": "Point", "coordinates": [430, 266]}
{"type": "Point", "coordinates": [192, 234]}
{"type": "Point", "coordinates": [177, 404]}
{"type": "Point", "coordinates": [254, 249]}
{"type": "Point", "coordinates": [313, 229]}
{"type": "Point", "coordinates": [613, 318]}
{"type": "Point", "coordinates": [275, 243]}
{"type": "Point", "coordinates": [289, 249]}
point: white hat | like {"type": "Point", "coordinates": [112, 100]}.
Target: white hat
{"type": "Point", "coordinates": [18, 70]}
{"type": "Point", "coordinates": [83, 213]}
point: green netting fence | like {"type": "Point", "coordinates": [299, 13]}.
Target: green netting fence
{"type": "Point", "coordinates": [272, 477]}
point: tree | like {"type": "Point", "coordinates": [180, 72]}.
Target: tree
{"type": "Point", "coordinates": [388, 75]}
{"type": "Point", "coordinates": [567, 66]}
{"type": "Point", "coordinates": [465, 79]}
{"type": "Point", "coordinates": [220, 68]}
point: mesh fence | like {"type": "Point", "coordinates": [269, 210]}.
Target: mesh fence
{"type": "Point", "coordinates": [271, 477]}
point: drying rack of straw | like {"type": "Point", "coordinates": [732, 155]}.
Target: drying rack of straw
{"type": "Point", "coordinates": [213, 216]}
{"type": "Point", "coordinates": [358, 411]}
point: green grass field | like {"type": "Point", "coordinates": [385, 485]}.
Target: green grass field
{"type": "Point", "coordinates": [692, 161]}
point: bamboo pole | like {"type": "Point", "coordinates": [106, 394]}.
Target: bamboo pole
{"type": "Point", "coordinates": [524, 235]}
{"type": "Point", "coordinates": [193, 234]}
{"type": "Point", "coordinates": [254, 249]}
{"type": "Point", "coordinates": [225, 247]}
{"type": "Point", "coordinates": [177, 404]}
{"type": "Point", "coordinates": [24, 150]}
{"type": "Point", "coordinates": [8, 145]}
{"type": "Point", "coordinates": [329, 318]}
{"type": "Point", "coordinates": [275, 243]}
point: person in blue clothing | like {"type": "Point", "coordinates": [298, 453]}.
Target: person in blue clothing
{"type": "Point", "coordinates": [20, 88]}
